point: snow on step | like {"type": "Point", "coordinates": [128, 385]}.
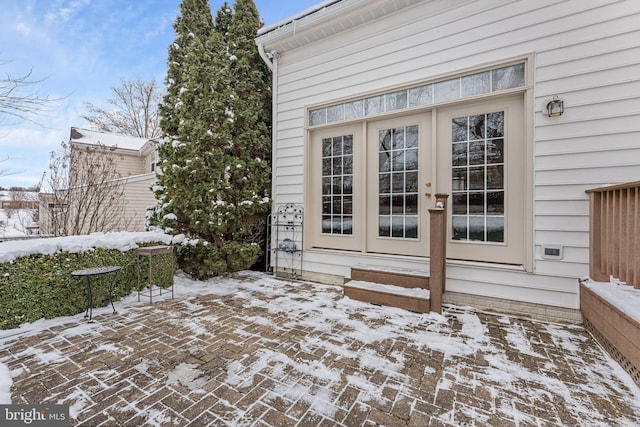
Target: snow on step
{"type": "Point", "coordinates": [390, 269]}
{"type": "Point", "coordinates": [389, 289]}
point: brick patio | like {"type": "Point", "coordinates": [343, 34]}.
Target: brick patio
{"type": "Point", "coordinates": [258, 351]}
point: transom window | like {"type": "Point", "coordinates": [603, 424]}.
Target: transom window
{"type": "Point", "coordinates": [337, 185]}
{"type": "Point", "coordinates": [489, 81]}
{"type": "Point", "coordinates": [477, 181]}
{"type": "Point", "coordinates": [398, 182]}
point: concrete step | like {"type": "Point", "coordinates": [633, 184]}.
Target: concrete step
{"type": "Point", "coordinates": [408, 298]}
{"type": "Point", "coordinates": [391, 276]}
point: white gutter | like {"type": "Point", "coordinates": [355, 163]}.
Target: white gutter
{"type": "Point", "coordinates": [297, 17]}
{"type": "Point", "coordinates": [265, 57]}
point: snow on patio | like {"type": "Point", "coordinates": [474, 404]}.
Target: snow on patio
{"type": "Point", "coordinates": [250, 349]}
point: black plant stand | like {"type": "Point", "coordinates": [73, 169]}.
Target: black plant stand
{"type": "Point", "coordinates": [286, 241]}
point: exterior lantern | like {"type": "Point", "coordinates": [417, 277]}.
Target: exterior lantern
{"type": "Point", "coordinates": [555, 107]}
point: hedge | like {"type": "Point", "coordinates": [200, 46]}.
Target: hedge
{"type": "Point", "coordinates": [37, 286]}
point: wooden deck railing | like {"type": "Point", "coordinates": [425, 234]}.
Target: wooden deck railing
{"type": "Point", "coordinates": [614, 233]}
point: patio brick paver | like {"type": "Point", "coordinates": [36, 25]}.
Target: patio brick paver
{"type": "Point", "coordinates": [264, 352]}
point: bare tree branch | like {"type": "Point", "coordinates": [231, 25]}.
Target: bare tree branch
{"type": "Point", "coordinates": [132, 111]}
{"type": "Point", "coordinates": [5, 172]}
{"type": "Point", "coordinates": [88, 194]}
{"type": "Point", "coordinates": [20, 99]}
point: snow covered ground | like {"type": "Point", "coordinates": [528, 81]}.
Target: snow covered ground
{"type": "Point", "coordinates": [122, 241]}
{"type": "Point", "coordinates": [14, 222]}
{"type": "Point", "coordinates": [481, 366]}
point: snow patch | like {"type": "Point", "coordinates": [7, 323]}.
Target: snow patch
{"type": "Point", "coordinates": [188, 375]}
{"type": "Point", "coordinates": [5, 385]}
{"type": "Point", "coordinates": [122, 241]}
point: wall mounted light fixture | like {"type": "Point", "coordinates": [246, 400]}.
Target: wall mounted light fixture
{"type": "Point", "coordinates": [555, 107]}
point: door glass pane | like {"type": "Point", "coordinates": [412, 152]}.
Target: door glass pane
{"type": "Point", "coordinates": [459, 154]}
{"type": "Point", "coordinates": [411, 226]}
{"type": "Point", "coordinates": [459, 204]}
{"type": "Point", "coordinates": [411, 204]}
{"type": "Point", "coordinates": [398, 190]}
{"type": "Point", "coordinates": [459, 129]}
{"type": "Point", "coordinates": [477, 177]}
{"type": "Point", "coordinates": [495, 228]}
{"type": "Point", "coordinates": [397, 183]}
{"type": "Point", "coordinates": [411, 159]}
{"type": "Point", "coordinates": [460, 229]}
{"type": "Point", "coordinates": [384, 226]}
{"type": "Point", "coordinates": [384, 205]}
{"type": "Point", "coordinates": [397, 226]}
{"type": "Point", "coordinates": [384, 183]}
{"type": "Point", "coordinates": [347, 224]}
{"type": "Point", "coordinates": [347, 205]}
{"type": "Point", "coordinates": [495, 203]}
{"type": "Point", "coordinates": [411, 182]}
{"type": "Point", "coordinates": [347, 164]}
{"type": "Point", "coordinates": [397, 163]}
{"type": "Point", "coordinates": [337, 166]}
{"type": "Point", "coordinates": [495, 151]}
{"type": "Point", "coordinates": [337, 185]}
{"type": "Point", "coordinates": [326, 167]}
{"type": "Point", "coordinates": [412, 136]}
{"type": "Point", "coordinates": [476, 153]}
{"type": "Point", "coordinates": [476, 228]}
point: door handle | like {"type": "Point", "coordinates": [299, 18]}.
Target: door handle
{"type": "Point", "coordinates": [428, 194]}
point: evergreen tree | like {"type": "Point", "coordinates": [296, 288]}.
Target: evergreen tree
{"type": "Point", "coordinates": [222, 22]}
{"type": "Point", "coordinates": [215, 154]}
{"type": "Point", "coordinates": [250, 110]}
{"type": "Point", "coordinates": [191, 152]}
{"type": "Point", "coordinates": [194, 23]}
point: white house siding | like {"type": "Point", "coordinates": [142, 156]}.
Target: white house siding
{"type": "Point", "coordinates": [138, 197]}
{"type": "Point", "coordinates": [129, 163]}
{"type": "Point", "coordinates": [585, 51]}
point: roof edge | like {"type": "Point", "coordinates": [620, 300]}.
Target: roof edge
{"type": "Point", "coordinates": [310, 11]}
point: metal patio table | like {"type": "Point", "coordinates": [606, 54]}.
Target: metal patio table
{"type": "Point", "coordinates": [86, 274]}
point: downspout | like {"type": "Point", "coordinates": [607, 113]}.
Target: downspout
{"type": "Point", "coordinates": [274, 118]}
{"type": "Point", "coordinates": [271, 59]}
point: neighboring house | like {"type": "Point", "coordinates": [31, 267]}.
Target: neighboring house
{"type": "Point", "coordinates": [19, 204]}
{"type": "Point", "coordinates": [513, 108]}
{"type": "Point", "coordinates": [135, 167]}
{"type": "Point", "coordinates": [18, 217]}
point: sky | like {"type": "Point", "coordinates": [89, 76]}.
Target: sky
{"type": "Point", "coordinates": [80, 50]}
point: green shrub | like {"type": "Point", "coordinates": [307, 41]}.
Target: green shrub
{"type": "Point", "coordinates": [201, 261]}
{"type": "Point", "coordinates": [39, 286]}
{"type": "Point", "coordinates": [240, 256]}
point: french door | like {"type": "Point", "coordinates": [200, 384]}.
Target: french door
{"type": "Point", "coordinates": [399, 185]}
{"type": "Point", "coordinates": [482, 151]}
{"type": "Point", "coordinates": [370, 184]}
